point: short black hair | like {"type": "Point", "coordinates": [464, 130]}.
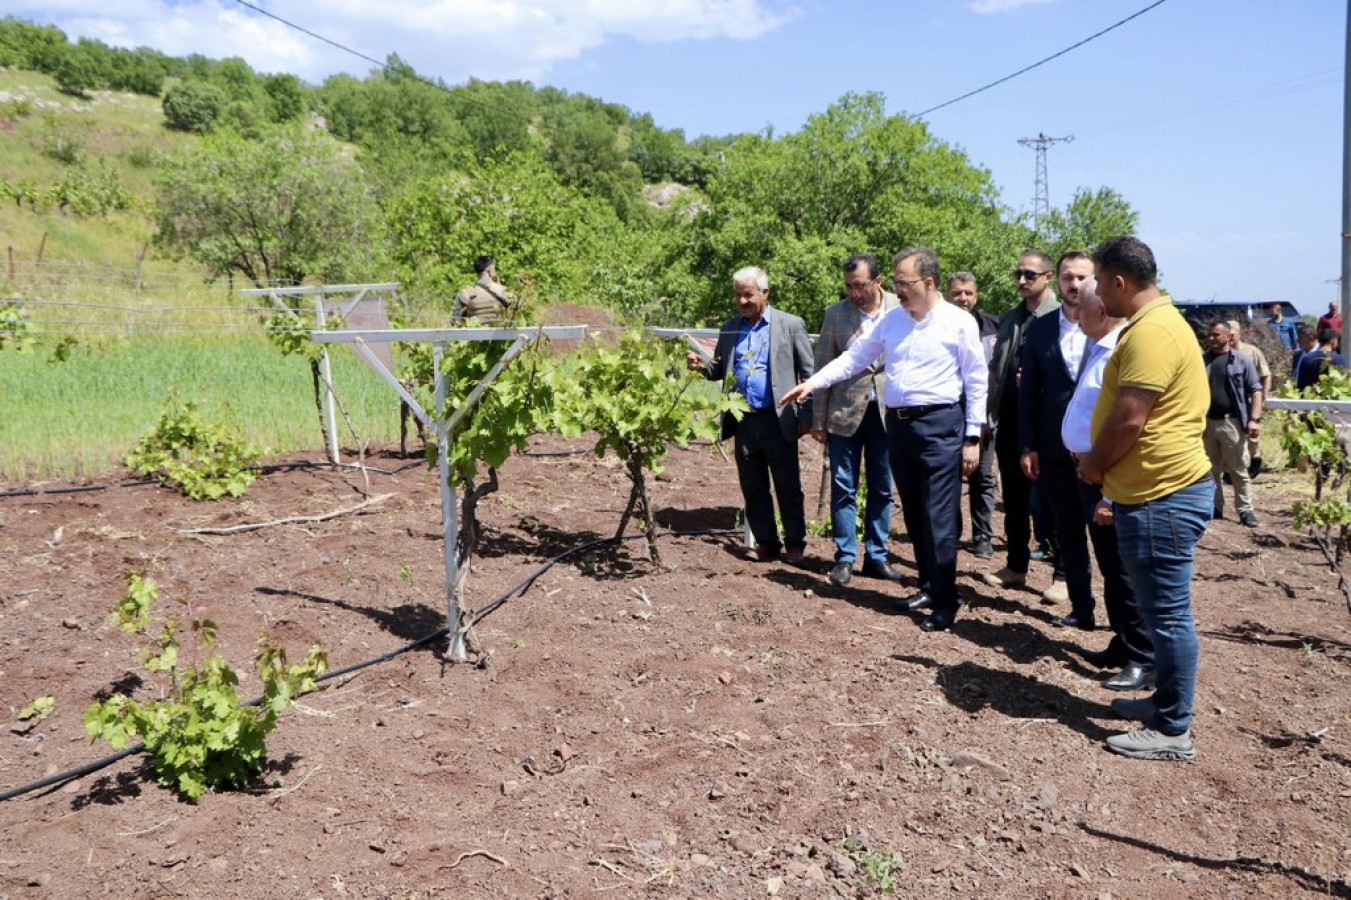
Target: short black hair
{"type": "Point", "coordinates": [1045, 260]}
{"type": "Point", "coordinates": [483, 263]}
{"type": "Point", "coordinates": [1129, 256]}
{"type": "Point", "coordinates": [1071, 254]}
{"type": "Point", "coordinates": [926, 262]}
{"type": "Point", "coordinates": [859, 259]}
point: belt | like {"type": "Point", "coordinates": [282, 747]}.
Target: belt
{"type": "Point", "coordinates": [916, 412]}
{"type": "Point", "coordinates": [761, 411]}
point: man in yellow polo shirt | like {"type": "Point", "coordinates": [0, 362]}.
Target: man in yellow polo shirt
{"type": "Point", "coordinates": [1149, 457]}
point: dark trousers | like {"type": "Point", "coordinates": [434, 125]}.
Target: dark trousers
{"type": "Point", "coordinates": [926, 464]}
{"type": "Point", "coordinates": [762, 455]}
{"type": "Point", "coordinates": [1059, 488]}
{"type": "Point", "coordinates": [1130, 635]}
{"type": "Point", "coordinates": [1016, 490]}
{"type": "Point", "coordinates": [980, 496]}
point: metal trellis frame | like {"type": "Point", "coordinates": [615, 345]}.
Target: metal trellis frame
{"type": "Point", "coordinates": [443, 423]}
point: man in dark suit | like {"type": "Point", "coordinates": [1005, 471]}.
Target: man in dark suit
{"type": "Point", "coordinates": [767, 352]}
{"type": "Point", "coordinates": [1034, 275]}
{"type": "Point", "coordinates": [1050, 361]}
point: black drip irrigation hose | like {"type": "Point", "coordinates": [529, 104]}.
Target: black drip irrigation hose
{"type": "Point", "coordinates": [478, 615]}
{"type": "Point", "coordinates": [143, 482]}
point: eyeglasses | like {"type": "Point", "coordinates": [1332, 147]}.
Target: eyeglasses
{"type": "Point", "coordinates": [1028, 274]}
{"type": "Point", "coordinates": [902, 282]}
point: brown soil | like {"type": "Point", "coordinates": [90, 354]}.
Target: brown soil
{"type": "Point", "coordinates": [719, 728]}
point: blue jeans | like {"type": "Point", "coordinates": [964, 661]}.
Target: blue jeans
{"type": "Point", "coordinates": [867, 445]}
{"type": "Point", "coordinates": [1157, 542]}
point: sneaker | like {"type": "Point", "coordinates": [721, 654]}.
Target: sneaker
{"type": "Point", "coordinates": [982, 549]}
{"type": "Point", "coordinates": [1139, 708]}
{"type": "Point", "coordinates": [1004, 578]}
{"type": "Point", "coordinates": [1058, 592]}
{"type": "Point", "coordinates": [1042, 553]}
{"type": "Point", "coordinates": [1150, 744]}
{"type": "Point", "coordinates": [1247, 518]}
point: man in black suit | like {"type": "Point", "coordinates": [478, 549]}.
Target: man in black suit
{"type": "Point", "coordinates": [768, 353]}
{"type": "Point", "coordinates": [1051, 356]}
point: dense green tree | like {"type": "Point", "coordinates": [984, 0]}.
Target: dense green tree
{"type": "Point", "coordinates": [141, 71]}
{"type": "Point", "coordinates": [25, 45]}
{"type": "Point", "coordinates": [409, 129]}
{"type": "Point", "coordinates": [1089, 218]}
{"type": "Point", "coordinates": [193, 106]}
{"type": "Point", "coordinates": [77, 71]}
{"type": "Point", "coordinates": [851, 180]}
{"type": "Point", "coordinates": [496, 115]}
{"type": "Point", "coordinates": [286, 97]}
{"type": "Point", "coordinates": [289, 206]}
{"type": "Point", "coordinates": [341, 100]}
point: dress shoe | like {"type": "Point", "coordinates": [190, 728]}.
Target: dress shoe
{"type": "Point", "coordinates": [915, 602]}
{"type": "Point", "coordinates": [1043, 552]}
{"type": "Point", "coordinates": [1247, 518]}
{"type": "Point", "coordinates": [840, 575]}
{"type": "Point", "coordinates": [881, 570]}
{"type": "Point", "coordinates": [1138, 708]}
{"type": "Point", "coordinates": [1147, 743]}
{"type": "Point", "coordinates": [1074, 620]}
{"type": "Point", "coordinates": [982, 549]}
{"type": "Point", "coordinates": [1004, 578]}
{"type": "Point", "coordinates": [1254, 467]}
{"type": "Point", "coordinates": [1105, 659]}
{"type": "Point", "coordinates": [1058, 592]}
{"type": "Point", "coordinates": [1134, 677]}
{"type": "Point", "coordinates": [794, 554]}
{"type": "Point", "coordinates": [939, 620]}
{"type": "Point", "coordinates": [763, 553]}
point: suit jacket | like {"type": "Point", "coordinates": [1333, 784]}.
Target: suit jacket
{"type": "Point", "coordinates": [1046, 389]}
{"type": "Point", "coordinates": [839, 408]}
{"type": "Point", "coordinates": [790, 361]}
{"type": "Point", "coordinates": [1008, 350]}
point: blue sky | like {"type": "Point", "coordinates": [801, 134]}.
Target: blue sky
{"type": "Point", "coordinates": [1219, 120]}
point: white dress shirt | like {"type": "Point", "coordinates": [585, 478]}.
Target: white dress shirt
{"type": "Point", "coordinates": [933, 361]}
{"type": "Point", "coordinates": [1076, 428]}
{"type": "Point", "coordinates": [1072, 340]}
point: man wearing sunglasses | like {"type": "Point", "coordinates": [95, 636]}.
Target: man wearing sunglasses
{"type": "Point", "coordinates": [1034, 275]}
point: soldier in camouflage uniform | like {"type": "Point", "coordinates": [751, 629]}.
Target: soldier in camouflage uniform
{"type": "Point", "coordinates": [484, 301]}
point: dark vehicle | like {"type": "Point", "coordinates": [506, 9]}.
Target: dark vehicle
{"type": "Point", "coordinates": [1247, 312]}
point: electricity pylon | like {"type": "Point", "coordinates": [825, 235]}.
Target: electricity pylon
{"type": "Point", "coordinates": [1041, 201]}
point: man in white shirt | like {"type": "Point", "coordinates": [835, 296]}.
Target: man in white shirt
{"type": "Point", "coordinates": [1131, 648]}
{"type": "Point", "coordinates": [935, 397]}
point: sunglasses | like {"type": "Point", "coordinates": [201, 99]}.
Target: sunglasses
{"type": "Point", "coordinates": [1028, 274]}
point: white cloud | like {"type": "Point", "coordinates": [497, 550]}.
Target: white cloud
{"type": "Point", "coordinates": [985, 7]}
{"type": "Point", "coordinates": [451, 39]}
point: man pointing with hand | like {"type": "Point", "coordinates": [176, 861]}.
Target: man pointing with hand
{"type": "Point", "coordinates": [935, 399]}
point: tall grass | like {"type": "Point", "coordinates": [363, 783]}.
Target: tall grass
{"type": "Point", "coordinates": [81, 416]}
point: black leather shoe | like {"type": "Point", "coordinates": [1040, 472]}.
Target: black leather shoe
{"type": "Point", "coordinates": [1105, 659]}
{"type": "Point", "coordinates": [939, 620]}
{"type": "Point", "coordinates": [915, 603]}
{"type": "Point", "coordinates": [1134, 677]}
{"type": "Point", "coordinates": [1074, 620]}
{"type": "Point", "coordinates": [982, 549]}
{"type": "Point", "coordinates": [882, 570]}
{"type": "Point", "coordinates": [841, 574]}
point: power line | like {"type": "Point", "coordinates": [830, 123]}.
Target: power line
{"type": "Point", "coordinates": [1042, 62]}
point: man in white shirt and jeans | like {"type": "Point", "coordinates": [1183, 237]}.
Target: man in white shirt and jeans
{"type": "Point", "coordinates": [937, 381]}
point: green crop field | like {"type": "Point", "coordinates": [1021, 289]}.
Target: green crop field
{"type": "Point", "coordinates": [81, 416]}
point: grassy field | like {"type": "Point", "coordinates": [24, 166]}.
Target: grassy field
{"type": "Point", "coordinates": [81, 416]}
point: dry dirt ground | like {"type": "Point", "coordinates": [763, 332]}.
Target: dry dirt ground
{"type": "Point", "coordinates": [718, 728]}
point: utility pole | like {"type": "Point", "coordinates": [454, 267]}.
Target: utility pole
{"type": "Point", "coordinates": [1041, 202]}
{"type": "Point", "coordinates": [1344, 292]}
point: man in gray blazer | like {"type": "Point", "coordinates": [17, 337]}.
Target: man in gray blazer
{"type": "Point", "coordinates": [847, 418]}
{"type": "Point", "coordinates": [767, 352]}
